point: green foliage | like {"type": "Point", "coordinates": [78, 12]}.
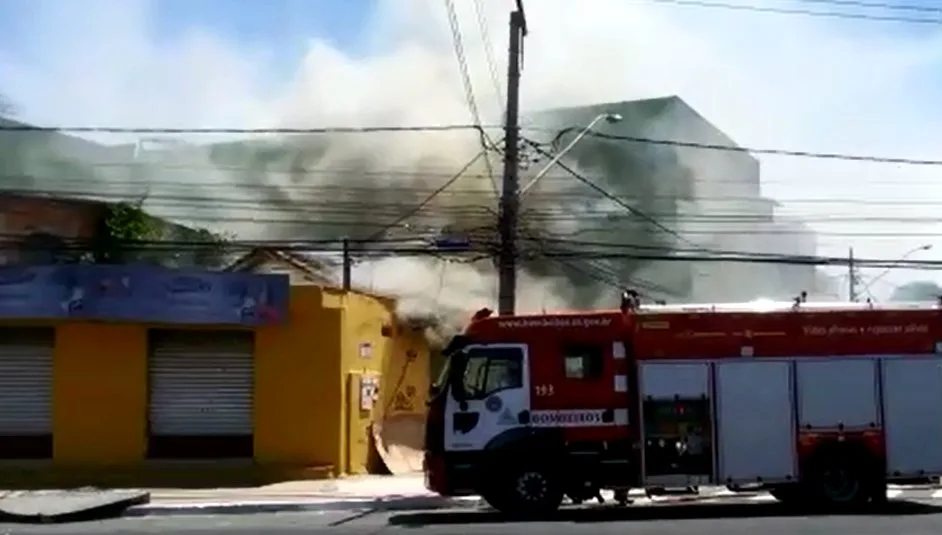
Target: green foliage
{"type": "Point", "coordinates": [123, 233]}
{"type": "Point", "coordinates": [128, 234]}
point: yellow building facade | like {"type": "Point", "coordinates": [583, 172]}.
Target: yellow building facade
{"type": "Point", "coordinates": [327, 387]}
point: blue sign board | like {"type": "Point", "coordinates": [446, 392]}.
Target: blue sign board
{"type": "Point", "coordinates": [39, 292]}
{"type": "Point", "coordinates": [187, 296]}
{"type": "Point", "coordinates": [143, 294]}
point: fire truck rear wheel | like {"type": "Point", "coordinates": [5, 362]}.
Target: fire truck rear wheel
{"type": "Point", "coordinates": [842, 476]}
{"type": "Point", "coordinates": [529, 491]}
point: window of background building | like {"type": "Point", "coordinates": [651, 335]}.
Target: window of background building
{"type": "Point", "coordinates": [583, 361]}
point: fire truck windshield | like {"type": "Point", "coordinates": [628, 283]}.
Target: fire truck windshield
{"type": "Point", "coordinates": [486, 370]}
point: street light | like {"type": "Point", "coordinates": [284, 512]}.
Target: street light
{"type": "Point", "coordinates": [886, 271]}
{"type": "Point", "coordinates": [610, 118]}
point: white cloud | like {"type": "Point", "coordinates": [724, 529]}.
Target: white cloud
{"type": "Point", "coordinates": [768, 81]}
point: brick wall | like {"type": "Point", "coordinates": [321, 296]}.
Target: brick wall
{"type": "Point", "coordinates": [22, 216]}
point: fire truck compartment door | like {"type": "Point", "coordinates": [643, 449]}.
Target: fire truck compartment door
{"type": "Point", "coordinates": [666, 380]}
{"type": "Point", "coordinates": [837, 392]}
{"type": "Point", "coordinates": [755, 426]}
{"type": "Point", "coordinates": [912, 399]}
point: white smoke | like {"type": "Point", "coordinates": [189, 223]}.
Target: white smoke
{"type": "Point", "coordinates": [766, 80]}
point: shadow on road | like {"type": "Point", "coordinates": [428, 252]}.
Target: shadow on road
{"type": "Point", "coordinates": [659, 512]}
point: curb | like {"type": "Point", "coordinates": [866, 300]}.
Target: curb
{"type": "Point", "coordinates": [111, 509]}
{"type": "Point", "coordinates": [420, 503]}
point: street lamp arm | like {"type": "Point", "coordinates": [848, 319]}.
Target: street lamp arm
{"type": "Point", "coordinates": [887, 271]}
{"type": "Point", "coordinates": [560, 154]}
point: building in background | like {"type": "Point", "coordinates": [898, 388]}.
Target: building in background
{"type": "Point", "coordinates": [39, 229]}
{"type": "Point", "coordinates": [300, 267]}
{"type": "Point", "coordinates": [682, 196]}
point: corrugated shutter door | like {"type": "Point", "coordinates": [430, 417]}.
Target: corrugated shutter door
{"type": "Point", "coordinates": [26, 381]}
{"type": "Point", "coordinates": [201, 384]}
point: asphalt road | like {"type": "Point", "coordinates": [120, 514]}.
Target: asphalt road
{"type": "Point", "coordinates": [899, 518]}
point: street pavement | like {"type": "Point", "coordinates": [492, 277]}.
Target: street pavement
{"type": "Point", "coordinates": [730, 517]}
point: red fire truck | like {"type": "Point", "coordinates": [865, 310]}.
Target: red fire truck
{"type": "Point", "coordinates": [815, 403]}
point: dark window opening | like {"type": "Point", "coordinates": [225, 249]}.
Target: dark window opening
{"type": "Point", "coordinates": [583, 361]}
{"type": "Point", "coordinates": [491, 369]}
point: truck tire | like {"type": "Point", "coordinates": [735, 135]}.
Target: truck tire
{"type": "Point", "coordinates": [840, 477]}
{"type": "Point", "coordinates": [530, 491]}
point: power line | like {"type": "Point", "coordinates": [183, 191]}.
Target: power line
{"type": "Point", "coordinates": [600, 273]}
{"type": "Point", "coordinates": [337, 211]}
{"type": "Point", "coordinates": [489, 52]}
{"type": "Point", "coordinates": [562, 250]}
{"type": "Point", "coordinates": [767, 151]}
{"type": "Point", "coordinates": [239, 183]}
{"type": "Point", "coordinates": [468, 85]}
{"type": "Point", "coordinates": [434, 194]}
{"type": "Point", "coordinates": [66, 183]}
{"type": "Point", "coordinates": [231, 130]}
{"type": "Point", "coordinates": [875, 5]}
{"type": "Point", "coordinates": [454, 127]}
{"type": "Point", "coordinates": [605, 193]}
{"type": "Point", "coordinates": [799, 11]}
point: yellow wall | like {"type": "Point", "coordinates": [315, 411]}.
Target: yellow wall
{"type": "Point", "coordinates": [99, 393]}
{"type": "Point", "coordinates": [399, 359]}
{"type": "Point", "coordinates": [298, 408]}
{"type": "Point", "coordinates": [364, 319]}
{"type": "Point", "coordinates": [306, 384]}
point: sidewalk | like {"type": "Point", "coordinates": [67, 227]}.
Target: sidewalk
{"type": "Point", "coordinates": [347, 494]}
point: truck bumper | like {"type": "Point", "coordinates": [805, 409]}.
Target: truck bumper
{"type": "Point", "coordinates": [450, 474]}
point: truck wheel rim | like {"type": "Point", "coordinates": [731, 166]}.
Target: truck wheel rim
{"type": "Point", "coordinates": [531, 486]}
{"type": "Point", "coordinates": [839, 485]}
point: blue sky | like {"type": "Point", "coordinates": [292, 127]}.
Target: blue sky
{"type": "Point", "coordinates": [268, 21]}
{"type": "Point", "coordinates": [283, 25]}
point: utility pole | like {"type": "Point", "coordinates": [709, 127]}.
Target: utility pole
{"type": "Point", "coordinates": [347, 265]}
{"type": "Point", "coordinates": [851, 275]}
{"type": "Point", "coordinates": [510, 189]}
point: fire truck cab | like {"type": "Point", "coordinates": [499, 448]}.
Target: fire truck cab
{"type": "Point", "coordinates": [815, 403]}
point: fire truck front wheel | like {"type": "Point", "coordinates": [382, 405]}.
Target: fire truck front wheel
{"type": "Point", "coordinates": [525, 490]}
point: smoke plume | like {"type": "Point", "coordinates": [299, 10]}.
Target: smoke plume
{"type": "Point", "coordinates": [791, 87]}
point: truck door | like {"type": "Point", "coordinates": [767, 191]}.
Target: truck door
{"type": "Point", "coordinates": [491, 396]}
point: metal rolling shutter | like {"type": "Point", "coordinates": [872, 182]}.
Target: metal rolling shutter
{"type": "Point", "coordinates": [26, 381]}
{"type": "Point", "coordinates": [201, 384]}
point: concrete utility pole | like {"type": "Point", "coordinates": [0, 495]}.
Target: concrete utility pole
{"type": "Point", "coordinates": [851, 275]}
{"type": "Point", "coordinates": [347, 267]}
{"type": "Point", "coordinates": [510, 194]}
